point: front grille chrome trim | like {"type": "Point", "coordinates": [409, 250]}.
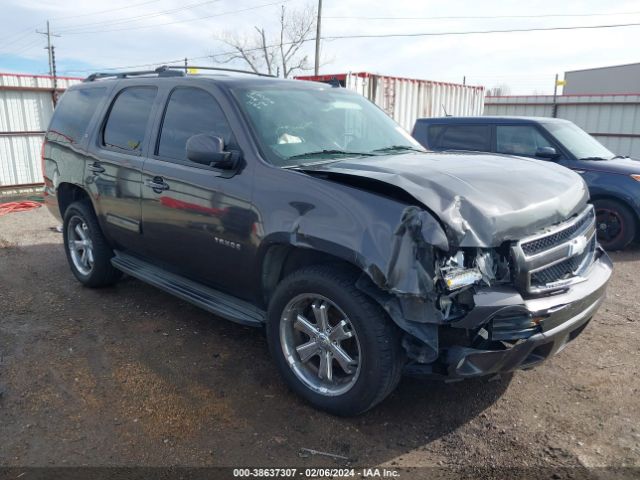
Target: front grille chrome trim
{"type": "Point", "coordinates": [567, 240]}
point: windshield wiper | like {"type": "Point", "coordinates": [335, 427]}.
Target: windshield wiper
{"type": "Point", "coordinates": [330, 152]}
{"type": "Point", "coordinates": [619, 156]}
{"type": "Point", "coordinates": [398, 147]}
{"type": "Point", "coordinates": [592, 158]}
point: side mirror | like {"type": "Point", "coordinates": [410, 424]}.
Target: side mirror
{"type": "Point", "coordinates": [548, 153]}
{"type": "Point", "coordinates": [209, 150]}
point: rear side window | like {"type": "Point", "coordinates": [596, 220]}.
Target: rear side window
{"type": "Point", "coordinates": [460, 137]}
{"type": "Point", "coordinates": [519, 140]}
{"type": "Point", "coordinates": [190, 111]}
{"type": "Point", "coordinates": [127, 122]}
{"type": "Point", "coordinates": [73, 114]}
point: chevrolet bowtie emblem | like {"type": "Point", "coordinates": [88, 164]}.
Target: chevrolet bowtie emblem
{"type": "Point", "coordinates": [577, 245]}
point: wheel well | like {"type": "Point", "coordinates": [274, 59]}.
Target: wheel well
{"type": "Point", "coordinates": [282, 260]}
{"type": "Point", "coordinates": [69, 193]}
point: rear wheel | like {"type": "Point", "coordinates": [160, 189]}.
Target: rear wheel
{"type": "Point", "coordinates": [615, 223]}
{"type": "Point", "coordinates": [333, 345]}
{"type": "Point", "coordinates": [87, 250]}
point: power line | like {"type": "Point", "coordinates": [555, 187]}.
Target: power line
{"type": "Point", "coordinates": [19, 38]}
{"type": "Point", "coordinates": [476, 32]}
{"type": "Point", "coordinates": [180, 21]}
{"type": "Point", "coordinates": [434, 34]}
{"type": "Point", "coordinates": [30, 29]}
{"type": "Point", "coordinates": [19, 34]}
{"type": "Point", "coordinates": [109, 10]}
{"type": "Point", "coordinates": [139, 17]}
{"type": "Point", "coordinates": [24, 48]}
{"type": "Point", "coordinates": [480, 17]}
{"type": "Point", "coordinates": [394, 35]}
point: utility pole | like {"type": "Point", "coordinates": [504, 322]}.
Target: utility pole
{"type": "Point", "coordinates": [48, 47]}
{"type": "Point", "coordinates": [318, 32]}
{"type": "Point", "coordinates": [55, 77]}
{"type": "Point", "coordinates": [554, 112]}
{"type": "Point", "coordinates": [52, 60]}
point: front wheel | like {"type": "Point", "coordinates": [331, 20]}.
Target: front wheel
{"type": "Point", "coordinates": [616, 224]}
{"type": "Point", "coordinates": [333, 345]}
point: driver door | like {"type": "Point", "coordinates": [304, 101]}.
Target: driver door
{"type": "Point", "coordinates": [197, 220]}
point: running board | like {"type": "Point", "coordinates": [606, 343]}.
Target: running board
{"type": "Point", "coordinates": [211, 300]}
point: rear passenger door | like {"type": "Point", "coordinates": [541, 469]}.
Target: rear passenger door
{"type": "Point", "coordinates": [114, 171]}
{"type": "Point", "coordinates": [198, 221]}
{"type": "Point", "coordinates": [460, 137]}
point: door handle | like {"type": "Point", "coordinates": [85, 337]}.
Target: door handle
{"type": "Point", "coordinates": [157, 184]}
{"type": "Point", "coordinates": [96, 168]}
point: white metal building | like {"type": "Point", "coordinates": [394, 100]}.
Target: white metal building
{"type": "Point", "coordinates": [407, 99]}
{"type": "Point", "coordinates": [603, 80]}
{"type": "Point", "coordinates": [26, 106]}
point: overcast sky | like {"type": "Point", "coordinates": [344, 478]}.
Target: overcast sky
{"type": "Point", "coordinates": [137, 32]}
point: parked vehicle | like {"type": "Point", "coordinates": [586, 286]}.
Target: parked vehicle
{"type": "Point", "coordinates": [613, 180]}
{"type": "Point", "coordinates": [303, 208]}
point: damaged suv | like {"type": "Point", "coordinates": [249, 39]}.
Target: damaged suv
{"type": "Point", "coordinates": [303, 208]}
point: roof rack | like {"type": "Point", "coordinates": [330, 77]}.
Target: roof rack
{"type": "Point", "coordinates": [196, 67]}
{"type": "Point", "coordinates": [163, 71]}
{"type": "Point", "coordinates": [167, 71]}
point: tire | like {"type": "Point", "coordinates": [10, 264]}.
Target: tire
{"type": "Point", "coordinates": [79, 219]}
{"type": "Point", "coordinates": [369, 338]}
{"type": "Point", "coordinates": [615, 223]}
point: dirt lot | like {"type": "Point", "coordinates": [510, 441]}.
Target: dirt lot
{"type": "Point", "coordinates": [131, 376]}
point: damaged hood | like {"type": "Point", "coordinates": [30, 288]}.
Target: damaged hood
{"type": "Point", "coordinates": [482, 199]}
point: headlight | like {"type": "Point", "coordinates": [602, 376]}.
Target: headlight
{"type": "Point", "coordinates": [636, 177]}
{"type": "Point", "coordinates": [461, 277]}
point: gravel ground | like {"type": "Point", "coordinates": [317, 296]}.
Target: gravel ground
{"type": "Point", "coordinates": [132, 376]}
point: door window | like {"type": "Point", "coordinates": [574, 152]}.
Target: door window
{"type": "Point", "coordinates": [190, 111]}
{"type": "Point", "coordinates": [127, 122]}
{"type": "Point", "coordinates": [460, 137]}
{"type": "Point", "coordinates": [519, 140]}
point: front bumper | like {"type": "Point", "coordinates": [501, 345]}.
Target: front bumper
{"type": "Point", "coordinates": [560, 318]}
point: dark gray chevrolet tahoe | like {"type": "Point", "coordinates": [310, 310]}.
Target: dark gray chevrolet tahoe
{"type": "Point", "coordinates": [303, 208]}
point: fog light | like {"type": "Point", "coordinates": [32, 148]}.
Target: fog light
{"type": "Point", "coordinates": [459, 278]}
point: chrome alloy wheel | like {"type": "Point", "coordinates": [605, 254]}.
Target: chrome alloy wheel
{"type": "Point", "coordinates": [320, 344]}
{"type": "Point", "coordinates": [80, 245]}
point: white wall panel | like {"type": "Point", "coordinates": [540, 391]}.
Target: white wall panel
{"type": "Point", "coordinates": [26, 107]}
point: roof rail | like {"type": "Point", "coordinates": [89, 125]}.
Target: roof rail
{"type": "Point", "coordinates": [163, 71]}
{"type": "Point", "coordinates": [196, 67]}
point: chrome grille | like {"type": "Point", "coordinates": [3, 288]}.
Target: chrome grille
{"type": "Point", "coordinates": [549, 241]}
{"type": "Point", "coordinates": [557, 257]}
{"type": "Point", "coordinates": [563, 270]}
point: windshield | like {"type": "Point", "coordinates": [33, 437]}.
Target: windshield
{"type": "Point", "coordinates": [299, 126]}
{"type": "Point", "coordinates": [578, 142]}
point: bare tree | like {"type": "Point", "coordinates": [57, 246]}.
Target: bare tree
{"type": "Point", "coordinates": [280, 54]}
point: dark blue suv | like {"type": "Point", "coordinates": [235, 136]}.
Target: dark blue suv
{"type": "Point", "coordinates": [613, 180]}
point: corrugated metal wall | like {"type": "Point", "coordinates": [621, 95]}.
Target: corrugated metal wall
{"type": "Point", "coordinates": [26, 106]}
{"type": "Point", "coordinates": [613, 119]}
{"type": "Point", "coordinates": [406, 99]}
